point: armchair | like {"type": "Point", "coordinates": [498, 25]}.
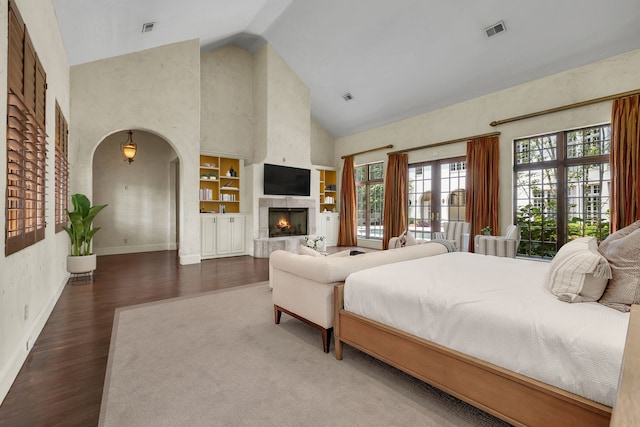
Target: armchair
{"type": "Point", "coordinates": [457, 232]}
{"type": "Point", "coordinates": [502, 246]}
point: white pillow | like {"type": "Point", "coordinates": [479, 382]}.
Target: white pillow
{"type": "Point", "coordinates": [410, 239]}
{"type": "Point", "coordinates": [304, 250]}
{"type": "Point", "coordinates": [578, 272]}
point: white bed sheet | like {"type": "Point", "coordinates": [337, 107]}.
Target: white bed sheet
{"type": "Point", "coordinates": [498, 310]}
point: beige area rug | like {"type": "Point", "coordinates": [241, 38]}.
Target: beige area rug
{"type": "Point", "coordinates": [218, 359]}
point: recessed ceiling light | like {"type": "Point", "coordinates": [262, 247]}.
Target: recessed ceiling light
{"type": "Point", "coordinates": [347, 96]}
{"type": "Point", "coordinates": [495, 29]}
{"type": "Point", "coordinates": [148, 27]}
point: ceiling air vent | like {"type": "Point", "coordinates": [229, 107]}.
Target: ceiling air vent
{"type": "Point", "coordinates": [347, 96]}
{"type": "Point", "coordinates": [495, 29]}
{"type": "Point", "coordinates": [148, 27]}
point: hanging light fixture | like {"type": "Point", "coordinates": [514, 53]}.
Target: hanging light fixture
{"type": "Point", "coordinates": [129, 148]}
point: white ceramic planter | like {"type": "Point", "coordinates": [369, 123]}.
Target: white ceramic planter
{"type": "Point", "coordinates": [81, 264]}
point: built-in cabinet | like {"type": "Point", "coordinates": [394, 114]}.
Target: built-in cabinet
{"type": "Point", "coordinates": [222, 235]}
{"type": "Point", "coordinates": [328, 192]}
{"type": "Point", "coordinates": [329, 227]}
{"type": "Point", "coordinates": [219, 184]}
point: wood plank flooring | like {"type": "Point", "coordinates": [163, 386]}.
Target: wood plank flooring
{"type": "Point", "coordinates": [61, 382]}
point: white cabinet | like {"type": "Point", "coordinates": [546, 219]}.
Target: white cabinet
{"type": "Point", "coordinates": [222, 235]}
{"type": "Point", "coordinates": [329, 227]}
{"type": "Point", "coordinates": [230, 234]}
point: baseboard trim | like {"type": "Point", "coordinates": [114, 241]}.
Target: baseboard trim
{"type": "Point", "coordinates": [130, 249]}
{"type": "Point", "coordinates": [9, 374]}
{"type": "Point", "coordinates": [190, 259]}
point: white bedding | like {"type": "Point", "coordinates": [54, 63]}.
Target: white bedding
{"type": "Point", "coordinates": [498, 310]}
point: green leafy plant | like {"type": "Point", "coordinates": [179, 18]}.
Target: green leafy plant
{"type": "Point", "coordinates": [486, 229]}
{"type": "Point", "coordinates": [81, 230]}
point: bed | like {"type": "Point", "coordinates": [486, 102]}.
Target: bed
{"type": "Point", "coordinates": [486, 330]}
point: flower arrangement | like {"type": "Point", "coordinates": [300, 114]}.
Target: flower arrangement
{"type": "Point", "coordinates": [314, 242]}
{"type": "Point", "coordinates": [486, 230]}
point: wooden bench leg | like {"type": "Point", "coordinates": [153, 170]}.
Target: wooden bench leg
{"type": "Point", "coordinates": [326, 339]}
{"type": "Point", "coordinates": [277, 314]}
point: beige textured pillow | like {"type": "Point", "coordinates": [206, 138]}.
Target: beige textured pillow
{"type": "Point", "coordinates": [622, 250]}
{"type": "Point", "coordinates": [578, 272]}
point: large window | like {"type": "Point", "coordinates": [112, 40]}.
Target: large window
{"type": "Point", "coordinates": [62, 169]}
{"type": "Point", "coordinates": [437, 195]}
{"type": "Point", "coordinates": [561, 188]}
{"type": "Point", "coordinates": [370, 197]}
{"type": "Point", "coordinates": [26, 139]}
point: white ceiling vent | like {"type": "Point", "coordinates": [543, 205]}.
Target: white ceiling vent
{"type": "Point", "coordinates": [495, 29]}
{"type": "Point", "coordinates": [148, 27]}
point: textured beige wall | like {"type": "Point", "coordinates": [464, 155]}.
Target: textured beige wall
{"type": "Point", "coordinates": [607, 77]}
{"type": "Point", "coordinates": [226, 102]}
{"type": "Point", "coordinates": [156, 90]}
{"type": "Point", "coordinates": [138, 218]}
{"type": "Point", "coordinates": [322, 145]}
{"type": "Point", "coordinates": [288, 114]}
{"type": "Point", "coordinates": [31, 280]}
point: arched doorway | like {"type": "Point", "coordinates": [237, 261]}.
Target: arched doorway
{"type": "Point", "coordinates": [142, 215]}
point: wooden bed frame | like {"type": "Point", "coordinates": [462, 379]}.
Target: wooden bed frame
{"type": "Point", "coordinates": [517, 399]}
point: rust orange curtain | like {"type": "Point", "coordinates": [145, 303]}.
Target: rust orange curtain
{"type": "Point", "coordinates": [625, 161]}
{"type": "Point", "coordinates": [395, 197]}
{"type": "Point", "coordinates": [483, 198]}
{"type": "Point", "coordinates": [347, 235]}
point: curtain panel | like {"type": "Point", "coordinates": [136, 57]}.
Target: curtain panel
{"type": "Point", "coordinates": [395, 197]}
{"type": "Point", "coordinates": [625, 161]}
{"type": "Point", "coordinates": [347, 235]}
{"type": "Point", "coordinates": [483, 198]}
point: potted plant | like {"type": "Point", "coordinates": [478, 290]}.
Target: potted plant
{"type": "Point", "coordinates": [486, 230]}
{"type": "Point", "coordinates": [81, 232]}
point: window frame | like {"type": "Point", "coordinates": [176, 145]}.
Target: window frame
{"type": "Point", "coordinates": [562, 163]}
{"type": "Point", "coordinates": [367, 183]}
{"type": "Point", "coordinates": [61, 170]}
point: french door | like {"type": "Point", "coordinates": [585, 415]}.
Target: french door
{"type": "Point", "coordinates": [437, 194]}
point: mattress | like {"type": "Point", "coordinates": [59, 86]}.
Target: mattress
{"type": "Point", "coordinates": [498, 310]}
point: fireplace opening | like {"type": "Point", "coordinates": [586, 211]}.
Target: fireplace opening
{"type": "Point", "coordinates": [288, 222]}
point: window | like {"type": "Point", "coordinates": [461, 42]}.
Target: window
{"type": "Point", "coordinates": [437, 194]}
{"type": "Point", "coordinates": [370, 199]}
{"type": "Point", "coordinates": [26, 139]}
{"type": "Point", "coordinates": [561, 188]}
{"type": "Point", "coordinates": [62, 169]}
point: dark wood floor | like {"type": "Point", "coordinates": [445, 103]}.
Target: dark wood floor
{"type": "Point", "coordinates": [61, 381]}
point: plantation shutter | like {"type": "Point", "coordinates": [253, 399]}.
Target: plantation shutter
{"type": "Point", "coordinates": [26, 139]}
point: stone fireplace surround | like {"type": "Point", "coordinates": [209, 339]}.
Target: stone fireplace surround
{"type": "Point", "coordinates": [264, 245]}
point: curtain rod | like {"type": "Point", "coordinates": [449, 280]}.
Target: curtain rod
{"type": "Point", "coordinates": [452, 141]}
{"type": "Point", "coordinates": [367, 151]}
{"type": "Point", "coordinates": [566, 107]}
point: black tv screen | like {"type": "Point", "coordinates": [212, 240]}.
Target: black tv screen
{"type": "Point", "coordinates": [286, 181]}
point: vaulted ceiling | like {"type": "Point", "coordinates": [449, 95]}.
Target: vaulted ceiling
{"type": "Point", "coordinates": [397, 58]}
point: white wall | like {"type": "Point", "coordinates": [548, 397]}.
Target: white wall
{"type": "Point", "coordinates": [156, 90]}
{"type": "Point", "coordinates": [140, 213]}
{"type": "Point", "coordinates": [31, 280]}
{"type": "Point", "coordinates": [613, 75]}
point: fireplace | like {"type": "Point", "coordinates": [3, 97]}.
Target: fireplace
{"type": "Point", "coordinates": [288, 221]}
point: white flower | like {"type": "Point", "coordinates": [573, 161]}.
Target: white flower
{"type": "Point", "coordinates": [314, 242]}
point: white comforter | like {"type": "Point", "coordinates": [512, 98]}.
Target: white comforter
{"type": "Point", "coordinates": [498, 310]}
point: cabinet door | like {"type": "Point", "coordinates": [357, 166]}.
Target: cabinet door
{"type": "Point", "coordinates": [224, 235]}
{"type": "Point", "coordinates": [333, 228]}
{"type": "Point", "coordinates": [208, 237]}
{"type": "Point", "coordinates": [237, 234]}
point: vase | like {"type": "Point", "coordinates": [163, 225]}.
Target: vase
{"type": "Point", "coordinates": [81, 264]}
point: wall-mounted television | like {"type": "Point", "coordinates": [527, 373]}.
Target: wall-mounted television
{"type": "Point", "coordinates": [286, 180]}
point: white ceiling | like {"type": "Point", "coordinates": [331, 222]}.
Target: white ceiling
{"type": "Point", "coordinates": [397, 58]}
